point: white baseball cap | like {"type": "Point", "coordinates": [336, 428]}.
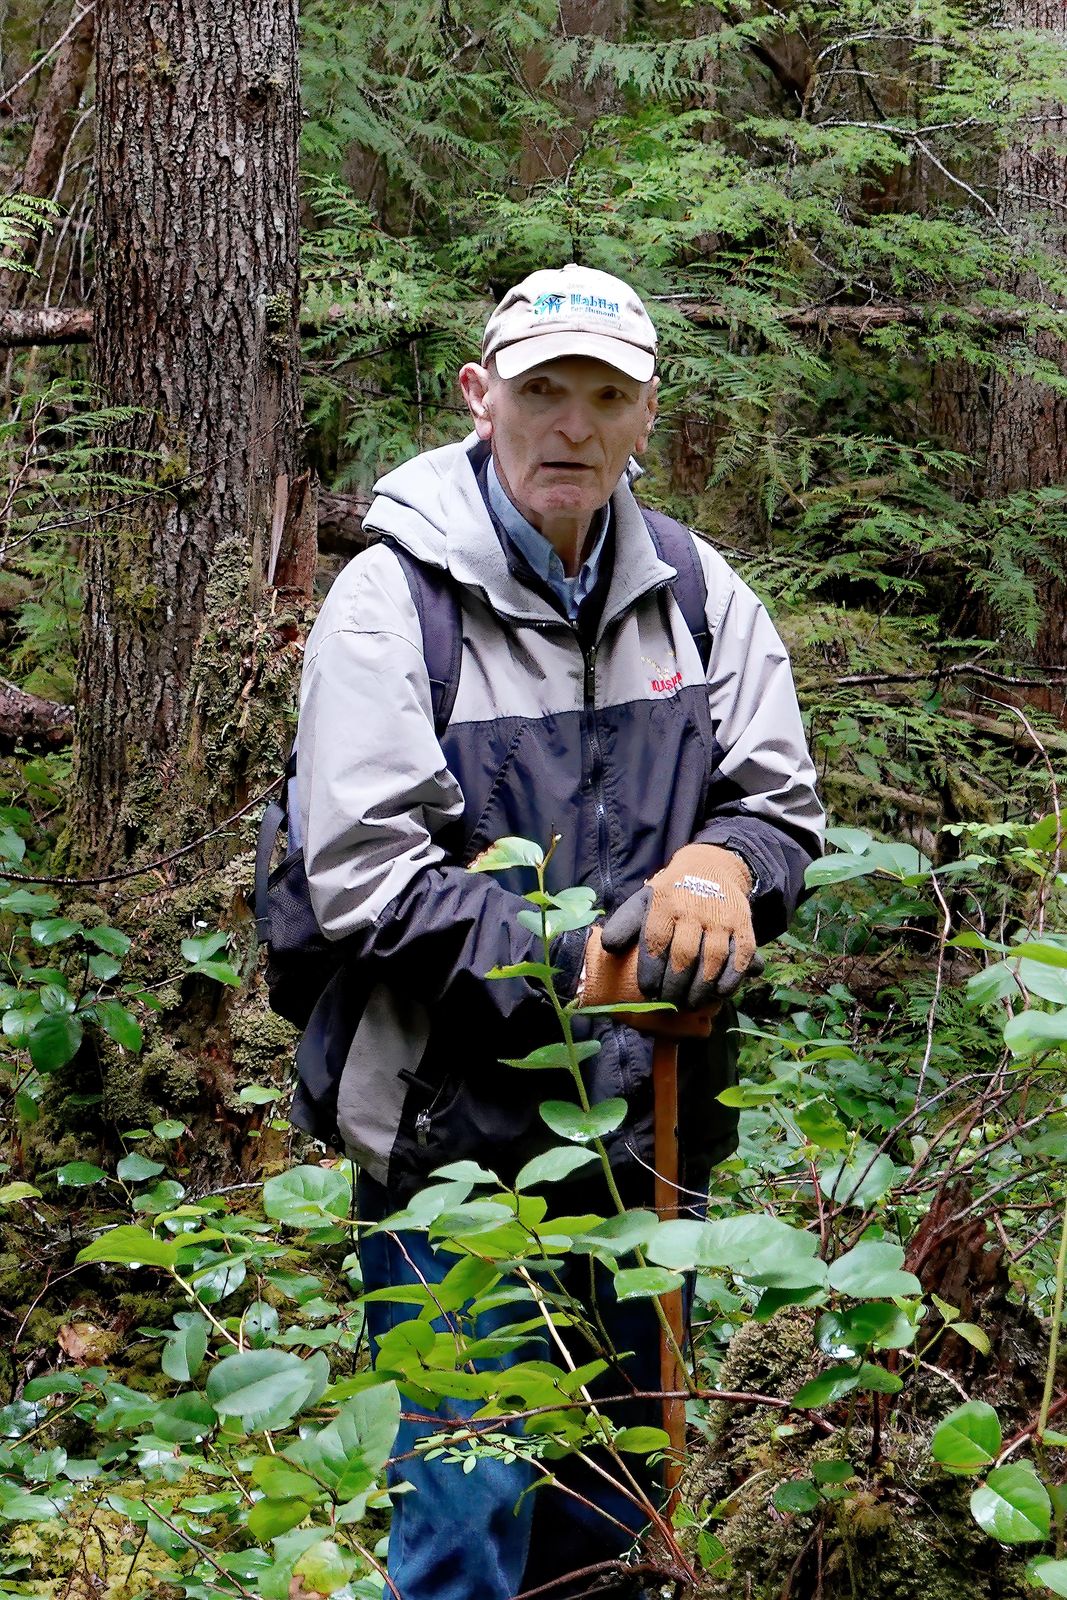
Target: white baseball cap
{"type": "Point", "coordinates": [571, 311]}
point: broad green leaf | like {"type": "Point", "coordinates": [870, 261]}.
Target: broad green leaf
{"type": "Point", "coordinates": [1050, 1572]}
{"type": "Point", "coordinates": [268, 1518]}
{"type": "Point", "coordinates": [79, 1174]}
{"type": "Point", "coordinates": [1052, 955]}
{"type": "Point", "coordinates": [571, 1122]}
{"type": "Point", "coordinates": [259, 1323]}
{"type": "Point", "coordinates": [1032, 1031]}
{"type": "Point", "coordinates": [304, 1197]}
{"type": "Point", "coordinates": [798, 1497]}
{"type": "Point", "coordinates": [264, 1388]}
{"type": "Point", "coordinates": [969, 1439]}
{"type": "Point", "coordinates": [200, 949]}
{"type": "Point", "coordinates": [642, 1440]}
{"type": "Point", "coordinates": [827, 1387]}
{"type": "Point", "coordinates": [350, 1451]}
{"type": "Point", "coordinates": [838, 869]}
{"type": "Point", "coordinates": [617, 1236]}
{"type": "Point", "coordinates": [507, 853]}
{"type": "Point", "coordinates": [554, 1165]}
{"type": "Point", "coordinates": [12, 1193]}
{"type": "Point", "coordinates": [1013, 1506]}
{"type": "Point", "coordinates": [861, 1181]}
{"type": "Point", "coordinates": [872, 1270]}
{"type": "Point", "coordinates": [324, 1568]}
{"type": "Point", "coordinates": [184, 1350]}
{"type": "Point", "coordinates": [24, 902]}
{"type": "Point", "coordinates": [104, 967]}
{"type": "Point", "coordinates": [168, 1129]}
{"type": "Point", "coordinates": [624, 1008]}
{"type": "Point", "coordinates": [555, 1056]}
{"type": "Point", "coordinates": [120, 1024]}
{"type": "Point", "coordinates": [973, 1335]}
{"type": "Point", "coordinates": [53, 930]}
{"type": "Point", "coordinates": [12, 845]}
{"type": "Point", "coordinates": [257, 1094]}
{"type": "Point", "coordinates": [634, 1283]}
{"type": "Point", "coordinates": [820, 1125]}
{"type": "Point", "coordinates": [185, 1418]}
{"type": "Point", "coordinates": [523, 969]}
{"type": "Point", "coordinates": [873, 1326]}
{"type": "Point", "coordinates": [109, 939]}
{"type": "Point", "coordinates": [136, 1168]}
{"type": "Point", "coordinates": [1047, 982]}
{"type": "Point", "coordinates": [131, 1247]}
{"type": "Point", "coordinates": [55, 1041]}
{"type": "Point", "coordinates": [876, 1380]}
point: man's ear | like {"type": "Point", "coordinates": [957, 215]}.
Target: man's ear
{"type": "Point", "coordinates": [474, 381]}
{"type": "Point", "coordinates": [652, 405]}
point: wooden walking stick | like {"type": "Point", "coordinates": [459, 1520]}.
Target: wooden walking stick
{"type": "Point", "coordinates": [672, 1379]}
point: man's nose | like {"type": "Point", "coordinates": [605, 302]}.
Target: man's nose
{"type": "Point", "coordinates": [574, 423]}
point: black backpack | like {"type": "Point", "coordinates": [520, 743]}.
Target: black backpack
{"type": "Point", "coordinates": [309, 980]}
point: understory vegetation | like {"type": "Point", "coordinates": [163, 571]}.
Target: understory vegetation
{"type": "Point", "coordinates": [847, 222]}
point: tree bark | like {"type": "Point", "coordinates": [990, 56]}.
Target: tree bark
{"type": "Point", "coordinates": [196, 327]}
{"type": "Point", "coordinates": [548, 153]}
{"type": "Point", "coordinates": [30, 723]}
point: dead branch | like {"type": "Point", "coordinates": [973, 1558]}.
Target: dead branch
{"type": "Point", "coordinates": [33, 723]}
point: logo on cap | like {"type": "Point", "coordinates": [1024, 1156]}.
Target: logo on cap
{"type": "Point", "coordinates": [545, 304]}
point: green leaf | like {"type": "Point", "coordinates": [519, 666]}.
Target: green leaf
{"type": "Point", "coordinates": [873, 1326]}
{"type": "Point", "coordinates": [268, 1518]}
{"type": "Point", "coordinates": [973, 1335]}
{"type": "Point", "coordinates": [819, 1124]}
{"type": "Point", "coordinates": [553, 1166]}
{"type": "Point", "coordinates": [54, 1041]}
{"type": "Point", "coordinates": [860, 1181]}
{"type": "Point", "coordinates": [136, 1168]}
{"type": "Point", "coordinates": [131, 1246]}
{"type": "Point", "coordinates": [24, 902]}
{"type": "Point", "coordinates": [872, 1270]}
{"type": "Point", "coordinates": [185, 1418]}
{"type": "Point", "coordinates": [324, 1568]}
{"type": "Point", "coordinates": [79, 1174]}
{"type": "Point", "coordinates": [263, 1388]}
{"type": "Point", "coordinates": [104, 967]}
{"type": "Point", "coordinates": [12, 845]}
{"type": "Point", "coordinates": [1050, 1572]}
{"type": "Point", "coordinates": [619, 1235]}
{"type": "Point", "coordinates": [636, 1283]}
{"type": "Point", "coordinates": [523, 969]}
{"type": "Point", "coordinates": [120, 1024]}
{"type": "Point", "coordinates": [53, 930]}
{"type": "Point", "coordinates": [255, 1094]}
{"type": "Point", "coordinates": [260, 1323]}
{"type": "Point", "coordinates": [969, 1439]}
{"type": "Point", "coordinates": [306, 1196]}
{"type": "Point", "coordinates": [642, 1440]}
{"type": "Point", "coordinates": [168, 1129]}
{"type": "Point", "coordinates": [1030, 1032]}
{"type": "Point", "coordinates": [221, 971]}
{"type": "Point", "coordinates": [571, 1122]}
{"type": "Point", "coordinates": [555, 1056]}
{"type": "Point", "coordinates": [827, 1387]}
{"type": "Point", "coordinates": [184, 1350]}
{"type": "Point", "coordinates": [109, 939]}
{"type": "Point", "coordinates": [798, 1497]}
{"type": "Point", "coordinates": [12, 1193]}
{"type": "Point", "coordinates": [507, 853]}
{"type": "Point", "coordinates": [624, 1008]}
{"type": "Point", "coordinates": [204, 946]}
{"type": "Point", "coordinates": [1013, 1506]}
{"type": "Point", "coordinates": [351, 1450]}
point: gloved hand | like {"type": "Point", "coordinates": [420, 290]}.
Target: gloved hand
{"type": "Point", "coordinates": [610, 979]}
{"type": "Point", "coordinates": [692, 926]}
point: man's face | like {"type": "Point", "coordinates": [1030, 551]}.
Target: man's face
{"type": "Point", "coordinates": [561, 433]}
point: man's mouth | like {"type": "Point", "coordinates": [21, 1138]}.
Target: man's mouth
{"type": "Point", "coordinates": [566, 466]}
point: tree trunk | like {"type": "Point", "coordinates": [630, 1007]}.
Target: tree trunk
{"type": "Point", "coordinates": [196, 326]}
{"type": "Point", "coordinates": [547, 154]}
{"type": "Point", "coordinates": [1015, 425]}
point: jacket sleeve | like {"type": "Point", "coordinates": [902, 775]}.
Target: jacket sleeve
{"type": "Point", "coordinates": [374, 792]}
{"type": "Point", "coordinates": [762, 801]}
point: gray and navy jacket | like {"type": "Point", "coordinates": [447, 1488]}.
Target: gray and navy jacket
{"type": "Point", "coordinates": [606, 732]}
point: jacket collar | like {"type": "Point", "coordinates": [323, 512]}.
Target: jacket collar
{"type": "Point", "coordinates": [433, 506]}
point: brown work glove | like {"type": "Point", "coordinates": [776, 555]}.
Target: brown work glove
{"type": "Point", "coordinates": [692, 926]}
{"type": "Point", "coordinates": [609, 979]}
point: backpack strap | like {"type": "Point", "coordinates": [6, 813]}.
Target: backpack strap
{"type": "Point", "coordinates": [435, 600]}
{"type": "Point", "coordinates": [674, 545]}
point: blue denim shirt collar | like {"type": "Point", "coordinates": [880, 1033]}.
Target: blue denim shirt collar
{"type": "Point", "coordinates": [538, 552]}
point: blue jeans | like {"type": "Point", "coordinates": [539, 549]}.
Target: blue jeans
{"type": "Point", "coordinates": [476, 1535]}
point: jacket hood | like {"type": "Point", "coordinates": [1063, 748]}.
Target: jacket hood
{"type": "Point", "coordinates": [433, 507]}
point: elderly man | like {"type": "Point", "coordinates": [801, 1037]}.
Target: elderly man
{"type": "Point", "coordinates": [587, 700]}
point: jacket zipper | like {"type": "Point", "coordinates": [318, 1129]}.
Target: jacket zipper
{"type": "Point", "coordinates": [596, 777]}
